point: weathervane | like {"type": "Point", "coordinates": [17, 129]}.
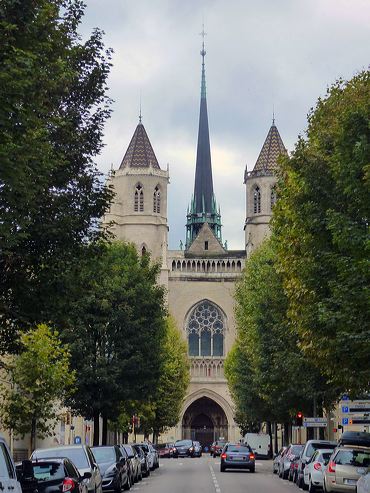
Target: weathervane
{"type": "Point", "coordinates": [203, 34]}
{"type": "Point", "coordinates": [140, 115]}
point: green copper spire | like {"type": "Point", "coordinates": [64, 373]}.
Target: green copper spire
{"type": "Point", "coordinates": [203, 208]}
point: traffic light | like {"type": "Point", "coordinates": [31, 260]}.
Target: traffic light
{"type": "Point", "coordinates": [299, 418]}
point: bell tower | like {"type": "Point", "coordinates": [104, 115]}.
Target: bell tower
{"type": "Point", "coordinates": [260, 186]}
{"type": "Point", "coordinates": [139, 211]}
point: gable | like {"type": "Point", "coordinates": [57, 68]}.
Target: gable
{"type": "Point", "coordinates": [206, 243]}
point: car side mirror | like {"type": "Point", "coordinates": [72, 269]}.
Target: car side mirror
{"type": "Point", "coordinates": [87, 475]}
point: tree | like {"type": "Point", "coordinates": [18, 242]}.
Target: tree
{"type": "Point", "coordinates": [52, 110]}
{"type": "Point", "coordinates": [39, 379]}
{"type": "Point", "coordinates": [173, 381]}
{"type": "Point", "coordinates": [321, 223]}
{"type": "Point", "coordinates": [115, 327]}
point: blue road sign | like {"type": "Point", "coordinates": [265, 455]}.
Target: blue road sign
{"type": "Point", "coordinates": [345, 397]}
{"type": "Point", "coordinates": [77, 440]}
{"type": "Point", "coordinates": [344, 421]}
{"type": "Point", "coordinates": [345, 409]}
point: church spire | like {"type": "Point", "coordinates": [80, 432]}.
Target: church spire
{"type": "Point", "coordinates": [203, 208]}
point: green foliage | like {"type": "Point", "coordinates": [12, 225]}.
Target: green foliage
{"type": "Point", "coordinates": [321, 225]}
{"type": "Point", "coordinates": [173, 381]}
{"type": "Point", "coordinates": [115, 327]}
{"type": "Point", "coordinates": [52, 111]}
{"type": "Point", "coordinates": [265, 369]}
{"type": "Point", "coordinates": [40, 377]}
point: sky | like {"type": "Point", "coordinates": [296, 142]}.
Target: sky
{"type": "Point", "coordinates": [261, 55]}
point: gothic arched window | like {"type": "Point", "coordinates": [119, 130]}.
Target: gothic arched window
{"type": "Point", "coordinates": [139, 198]}
{"type": "Point", "coordinates": [273, 197]}
{"type": "Point", "coordinates": [205, 330]}
{"type": "Point", "coordinates": [157, 200]}
{"type": "Point", "coordinates": [257, 200]}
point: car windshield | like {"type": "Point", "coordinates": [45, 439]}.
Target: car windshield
{"type": "Point", "coordinates": [129, 450]}
{"type": "Point", "coordinates": [48, 471]}
{"type": "Point", "coordinates": [314, 446]}
{"type": "Point", "coordinates": [296, 449]}
{"type": "Point", "coordinates": [325, 457]}
{"type": "Point", "coordinates": [104, 454]}
{"type": "Point", "coordinates": [144, 447]}
{"type": "Point", "coordinates": [358, 458]}
{"type": "Point", "coordinates": [75, 454]}
{"type": "Point", "coordinates": [184, 443]}
{"type": "Point", "coordinates": [161, 446]}
{"type": "Point", "coordinates": [220, 444]}
{"type": "Point", "coordinates": [239, 449]}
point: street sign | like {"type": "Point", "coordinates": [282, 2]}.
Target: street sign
{"type": "Point", "coordinates": [77, 440]}
{"type": "Point", "coordinates": [344, 421]}
{"type": "Point", "coordinates": [315, 422]}
{"type": "Point", "coordinates": [356, 407]}
{"type": "Point", "coordinates": [345, 409]}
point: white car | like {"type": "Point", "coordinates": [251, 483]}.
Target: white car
{"type": "Point", "coordinates": [313, 473]}
{"type": "Point", "coordinates": [8, 477]}
{"type": "Point", "coordinates": [363, 484]}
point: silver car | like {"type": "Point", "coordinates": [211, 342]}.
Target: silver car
{"type": "Point", "coordinates": [363, 484]}
{"type": "Point", "coordinates": [82, 458]}
{"type": "Point", "coordinates": [313, 474]}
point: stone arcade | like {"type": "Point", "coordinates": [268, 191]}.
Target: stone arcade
{"type": "Point", "coordinates": [201, 278]}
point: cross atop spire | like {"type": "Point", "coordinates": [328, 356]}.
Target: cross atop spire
{"type": "Point", "coordinates": [140, 115]}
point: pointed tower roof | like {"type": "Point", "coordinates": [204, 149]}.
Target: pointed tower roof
{"type": "Point", "coordinates": [140, 152]}
{"type": "Point", "coordinates": [203, 186]}
{"type": "Point", "coordinates": [272, 148]}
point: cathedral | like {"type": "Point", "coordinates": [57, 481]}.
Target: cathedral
{"type": "Point", "coordinates": [200, 278]}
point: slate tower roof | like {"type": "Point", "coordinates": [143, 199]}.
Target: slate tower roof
{"type": "Point", "coordinates": [203, 207]}
{"type": "Point", "coordinates": [140, 152]}
{"type": "Point", "coordinates": [272, 148]}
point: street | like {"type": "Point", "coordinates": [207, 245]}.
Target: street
{"type": "Point", "coordinates": [203, 475]}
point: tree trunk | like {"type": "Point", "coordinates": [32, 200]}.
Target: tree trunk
{"type": "Point", "coordinates": [269, 432]}
{"type": "Point", "coordinates": [105, 429]}
{"type": "Point", "coordinates": [33, 435]}
{"type": "Point", "coordinates": [286, 434]}
{"type": "Point", "coordinates": [96, 428]}
{"type": "Point", "coordinates": [276, 445]}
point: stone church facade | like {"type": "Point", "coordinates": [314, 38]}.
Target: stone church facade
{"type": "Point", "coordinates": [200, 279]}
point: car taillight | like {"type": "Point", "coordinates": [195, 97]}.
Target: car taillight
{"type": "Point", "coordinates": [295, 465]}
{"type": "Point", "coordinates": [223, 456]}
{"type": "Point", "coordinates": [68, 484]}
{"type": "Point", "coordinates": [331, 466]}
{"type": "Point", "coordinates": [252, 456]}
{"type": "Point", "coordinates": [317, 466]}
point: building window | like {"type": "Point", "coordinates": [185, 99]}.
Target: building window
{"type": "Point", "coordinates": [157, 200]}
{"type": "Point", "coordinates": [206, 245]}
{"type": "Point", "coordinates": [257, 200]}
{"type": "Point", "coordinates": [205, 330]}
{"type": "Point", "coordinates": [139, 199]}
{"type": "Point", "coordinates": [273, 197]}
{"type": "Point", "coordinates": [143, 250]}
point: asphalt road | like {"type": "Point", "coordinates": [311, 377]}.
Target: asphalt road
{"type": "Point", "coordinates": [203, 476]}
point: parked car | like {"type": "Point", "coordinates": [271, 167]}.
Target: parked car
{"type": "Point", "coordinates": [345, 468]}
{"type": "Point", "coordinates": [82, 458]}
{"type": "Point", "coordinates": [151, 455]}
{"type": "Point", "coordinates": [183, 448]}
{"type": "Point", "coordinates": [133, 463]}
{"type": "Point", "coordinates": [144, 463]}
{"type": "Point", "coordinates": [237, 456]}
{"type": "Point", "coordinates": [113, 467]}
{"type": "Point", "coordinates": [313, 473]}
{"type": "Point", "coordinates": [277, 459]}
{"type": "Point", "coordinates": [307, 453]}
{"type": "Point", "coordinates": [218, 447]}
{"type": "Point", "coordinates": [197, 449]}
{"type": "Point", "coordinates": [363, 484]}
{"type": "Point", "coordinates": [164, 449]}
{"type": "Point", "coordinates": [292, 452]}
{"type": "Point", "coordinates": [8, 476]}
{"type": "Point", "coordinates": [54, 476]}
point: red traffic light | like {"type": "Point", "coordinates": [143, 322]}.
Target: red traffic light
{"type": "Point", "coordinates": [299, 415]}
{"type": "Point", "coordinates": [299, 418]}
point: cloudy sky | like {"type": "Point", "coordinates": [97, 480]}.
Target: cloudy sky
{"type": "Point", "coordinates": [260, 54]}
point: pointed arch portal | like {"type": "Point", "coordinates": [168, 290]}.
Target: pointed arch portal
{"type": "Point", "coordinates": [204, 421]}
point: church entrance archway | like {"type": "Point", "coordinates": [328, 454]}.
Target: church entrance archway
{"type": "Point", "coordinates": [205, 421]}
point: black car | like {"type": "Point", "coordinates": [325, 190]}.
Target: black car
{"type": "Point", "coordinates": [53, 476]}
{"type": "Point", "coordinates": [237, 456]}
{"type": "Point", "coordinates": [183, 448]}
{"type": "Point", "coordinates": [113, 467]}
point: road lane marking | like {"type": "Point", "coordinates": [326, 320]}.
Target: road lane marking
{"type": "Point", "coordinates": [214, 478]}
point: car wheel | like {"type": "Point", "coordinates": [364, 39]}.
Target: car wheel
{"type": "Point", "coordinates": [311, 487]}
{"type": "Point", "coordinates": [222, 468]}
{"type": "Point", "coordinates": [127, 485]}
{"type": "Point", "coordinates": [214, 456]}
{"type": "Point", "coordinates": [252, 469]}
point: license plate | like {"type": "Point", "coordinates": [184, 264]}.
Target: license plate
{"type": "Point", "coordinates": [350, 481]}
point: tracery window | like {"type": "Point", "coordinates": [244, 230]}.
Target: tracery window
{"type": "Point", "coordinates": [273, 197]}
{"type": "Point", "coordinates": [139, 199]}
{"type": "Point", "coordinates": [206, 330]}
{"type": "Point", "coordinates": [157, 200]}
{"type": "Point", "coordinates": [257, 200]}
